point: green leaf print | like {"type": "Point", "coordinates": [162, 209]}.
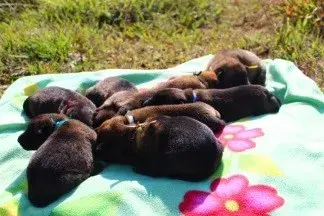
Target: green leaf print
{"type": "Point", "coordinates": [96, 204]}
{"type": "Point", "coordinates": [260, 164]}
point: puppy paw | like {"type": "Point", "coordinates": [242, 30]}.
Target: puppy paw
{"type": "Point", "coordinates": [273, 103]}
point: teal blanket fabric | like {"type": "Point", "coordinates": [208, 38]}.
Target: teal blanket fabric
{"type": "Point", "coordinates": [272, 165]}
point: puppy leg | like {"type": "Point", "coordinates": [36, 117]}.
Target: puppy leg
{"type": "Point", "coordinates": [272, 103]}
{"type": "Point", "coordinates": [214, 123]}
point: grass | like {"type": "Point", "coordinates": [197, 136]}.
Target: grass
{"type": "Point", "coordinates": [59, 36]}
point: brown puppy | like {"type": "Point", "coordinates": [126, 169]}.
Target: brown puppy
{"type": "Point", "coordinates": [232, 103]}
{"type": "Point", "coordinates": [60, 100]}
{"type": "Point", "coordinates": [237, 67]}
{"type": "Point", "coordinates": [200, 80]}
{"type": "Point", "coordinates": [198, 111]}
{"type": "Point", "coordinates": [106, 88]}
{"type": "Point", "coordinates": [112, 105]}
{"type": "Point", "coordinates": [120, 104]}
{"type": "Point", "coordinates": [177, 147]}
{"type": "Point", "coordinates": [62, 161]}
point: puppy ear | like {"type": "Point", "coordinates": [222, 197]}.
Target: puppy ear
{"type": "Point", "coordinates": [122, 111]}
{"type": "Point", "coordinates": [150, 128]}
{"type": "Point", "coordinates": [46, 131]}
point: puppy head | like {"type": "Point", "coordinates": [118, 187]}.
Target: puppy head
{"type": "Point", "coordinates": [94, 95]}
{"type": "Point", "coordinates": [231, 73]}
{"type": "Point", "coordinates": [102, 114]}
{"type": "Point", "coordinates": [38, 130]}
{"type": "Point", "coordinates": [82, 113]}
{"type": "Point", "coordinates": [167, 96]}
{"type": "Point", "coordinates": [209, 77]}
{"type": "Point", "coordinates": [113, 138]}
{"type": "Point", "coordinates": [118, 141]}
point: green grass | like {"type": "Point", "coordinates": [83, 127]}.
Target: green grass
{"type": "Point", "coordinates": [58, 36]}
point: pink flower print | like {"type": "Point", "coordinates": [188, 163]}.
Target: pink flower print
{"type": "Point", "coordinates": [237, 138]}
{"type": "Point", "coordinates": [231, 197]}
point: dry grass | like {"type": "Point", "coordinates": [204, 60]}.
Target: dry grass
{"type": "Point", "coordinates": [59, 36]}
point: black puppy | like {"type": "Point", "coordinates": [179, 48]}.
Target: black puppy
{"type": "Point", "coordinates": [177, 147]}
{"type": "Point", "coordinates": [106, 88]}
{"type": "Point", "coordinates": [232, 103]}
{"type": "Point", "coordinates": [237, 67]}
{"type": "Point", "coordinates": [60, 163]}
{"type": "Point", "coordinates": [60, 100]}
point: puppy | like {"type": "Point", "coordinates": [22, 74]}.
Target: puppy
{"type": "Point", "coordinates": [199, 111]}
{"type": "Point", "coordinates": [64, 156]}
{"type": "Point", "coordinates": [237, 67]}
{"type": "Point", "coordinates": [112, 105]}
{"type": "Point", "coordinates": [232, 103]}
{"type": "Point", "coordinates": [200, 80]}
{"type": "Point", "coordinates": [106, 88]}
{"type": "Point", "coordinates": [120, 104]}
{"type": "Point", "coordinates": [177, 147]}
{"type": "Point", "coordinates": [60, 100]}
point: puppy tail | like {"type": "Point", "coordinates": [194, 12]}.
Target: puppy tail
{"type": "Point", "coordinates": [26, 107]}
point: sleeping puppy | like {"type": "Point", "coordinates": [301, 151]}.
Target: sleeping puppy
{"type": "Point", "coordinates": [64, 156]}
{"type": "Point", "coordinates": [60, 100]}
{"type": "Point", "coordinates": [112, 105]}
{"type": "Point", "coordinates": [176, 147]}
{"type": "Point", "coordinates": [198, 111]}
{"type": "Point", "coordinates": [237, 67]}
{"type": "Point", "coordinates": [106, 88]}
{"type": "Point", "coordinates": [120, 104]}
{"type": "Point", "coordinates": [200, 80]}
{"type": "Point", "coordinates": [232, 103]}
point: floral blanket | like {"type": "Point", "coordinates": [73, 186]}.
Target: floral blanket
{"type": "Point", "coordinates": [273, 164]}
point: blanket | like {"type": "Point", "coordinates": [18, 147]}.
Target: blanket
{"type": "Point", "coordinates": [272, 165]}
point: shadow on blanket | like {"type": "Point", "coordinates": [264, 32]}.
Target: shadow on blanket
{"type": "Point", "coordinates": [152, 187]}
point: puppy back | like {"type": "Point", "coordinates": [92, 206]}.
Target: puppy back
{"type": "Point", "coordinates": [199, 111]}
{"type": "Point", "coordinates": [192, 149]}
{"type": "Point", "coordinates": [26, 107]}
